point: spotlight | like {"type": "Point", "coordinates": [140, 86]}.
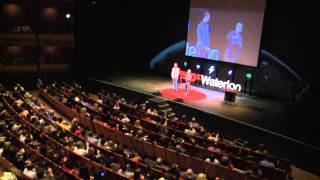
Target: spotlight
{"type": "Point", "coordinates": [249, 75]}
{"type": "Point", "coordinates": [211, 69]}
{"type": "Point", "coordinates": [185, 64]}
{"type": "Point", "coordinates": [230, 72]}
{"type": "Point", "coordinates": [68, 16]}
{"type": "Point", "coordinates": [198, 66]}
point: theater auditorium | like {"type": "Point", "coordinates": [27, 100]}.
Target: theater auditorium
{"type": "Point", "coordinates": [159, 90]}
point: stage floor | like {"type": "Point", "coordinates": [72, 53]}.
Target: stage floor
{"type": "Point", "coordinates": [253, 111]}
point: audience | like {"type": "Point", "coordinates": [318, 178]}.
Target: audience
{"type": "Point", "coordinates": [91, 109]}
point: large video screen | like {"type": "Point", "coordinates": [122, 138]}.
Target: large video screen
{"type": "Point", "coordinates": [226, 30]}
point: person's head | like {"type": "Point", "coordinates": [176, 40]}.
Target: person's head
{"type": "Point", "coordinates": [159, 160]}
{"type": "Point", "coordinates": [239, 27]}
{"type": "Point", "coordinates": [175, 64]}
{"type": "Point", "coordinates": [189, 71]}
{"type": "Point", "coordinates": [201, 176]}
{"type": "Point", "coordinates": [173, 166]}
{"type": "Point", "coordinates": [189, 171]}
{"type": "Point", "coordinates": [206, 17]}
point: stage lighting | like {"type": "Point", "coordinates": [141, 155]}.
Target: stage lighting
{"type": "Point", "coordinates": [230, 72]}
{"type": "Point", "coordinates": [249, 75]}
{"type": "Point", "coordinates": [68, 16]}
{"type": "Point", "coordinates": [198, 66]}
{"type": "Point", "coordinates": [211, 69]}
{"type": "Point", "coordinates": [185, 64]}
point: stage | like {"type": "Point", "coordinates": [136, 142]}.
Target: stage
{"type": "Point", "coordinates": [253, 111]}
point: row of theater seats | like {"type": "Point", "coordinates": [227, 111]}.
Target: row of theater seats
{"type": "Point", "coordinates": [152, 150]}
{"type": "Point", "coordinates": [283, 165]}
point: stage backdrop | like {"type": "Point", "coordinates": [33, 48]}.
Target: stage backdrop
{"type": "Point", "coordinates": [226, 30]}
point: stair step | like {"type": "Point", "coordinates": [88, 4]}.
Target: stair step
{"type": "Point", "coordinates": [163, 105]}
{"type": "Point", "coordinates": [166, 110]}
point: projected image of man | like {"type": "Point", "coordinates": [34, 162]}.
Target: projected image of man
{"type": "Point", "coordinates": [234, 38]}
{"type": "Point", "coordinates": [203, 36]}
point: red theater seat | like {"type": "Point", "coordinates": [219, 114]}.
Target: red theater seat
{"type": "Point", "coordinates": [160, 151]}
{"type": "Point", "coordinates": [148, 148]}
{"type": "Point", "coordinates": [235, 175]}
{"type": "Point", "coordinates": [138, 145]}
{"type": "Point", "coordinates": [197, 165]}
{"type": "Point", "coordinates": [171, 156]}
{"type": "Point", "coordinates": [184, 161]}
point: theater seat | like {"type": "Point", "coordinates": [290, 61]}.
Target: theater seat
{"type": "Point", "coordinates": [197, 165]}
{"type": "Point", "coordinates": [251, 177]}
{"type": "Point", "coordinates": [129, 141]}
{"type": "Point", "coordinates": [107, 133]}
{"type": "Point", "coordinates": [210, 169]}
{"type": "Point", "coordinates": [148, 148]}
{"type": "Point", "coordinates": [223, 172]}
{"type": "Point", "coordinates": [213, 170]}
{"type": "Point", "coordinates": [98, 127]}
{"type": "Point", "coordinates": [138, 145]}
{"type": "Point", "coordinates": [235, 175]}
{"type": "Point", "coordinates": [159, 151]}
{"type": "Point", "coordinates": [201, 152]}
{"type": "Point", "coordinates": [120, 138]}
{"type": "Point", "coordinates": [171, 156]}
{"type": "Point", "coordinates": [184, 161]}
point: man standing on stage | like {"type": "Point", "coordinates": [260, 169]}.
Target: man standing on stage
{"type": "Point", "coordinates": [188, 79]}
{"type": "Point", "coordinates": [203, 36]}
{"type": "Point", "coordinates": [175, 72]}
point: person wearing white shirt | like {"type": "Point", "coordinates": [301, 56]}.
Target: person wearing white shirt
{"type": "Point", "coordinates": [80, 150]}
{"type": "Point", "coordinates": [30, 172]}
{"type": "Point", "coordinates": [175, 72]}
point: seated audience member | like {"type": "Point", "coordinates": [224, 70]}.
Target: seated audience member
{"type": "Point", "coordinates": [189, 175]}
{"type": "Point", "coordinates": [154, 112]}
{"type": "Point", "coordinates": [127, 171]}
{"type": "Point", "coordinates": [190, 131]}
{"type": "Point", "coordinates": [174, 171]}
{"type": "Point", "coordinates": [63, 124]}
{"type": "Point", "coordinates": [224, 161]}
{"type": "Point", "coordinates": [201, 176]}
{"type": "Point", "coordinates": [194, 123]}
{"type": "Point", "coordinates": [80, 149]}
{"type": "Point", "coordinates": [215, 138]}
{"type": "Point", "coordinates": [116, 106]}
{"type": "Point", "coordinates": [158, 163]}
{"type": "Point", "coordinates": [93, 138]}
{"type": "Point", "coordinates": [265, 162]}
{"type": "Point", "coordinates": [30, 171]}
{"type": "Point", "coordinates": [261, 149]}
{"type": "Point", "coordinates": [255, 170]}
{"type": "Point", "coordinates": [179, 148]}
{"type": "Point", "coordinates": [124, 119]}
{"type": "Point", "coordinates": [137, 124]}
{"type": "Point", "coordinates": [137, 174]}
{"type": "Point", "coordinates": [76, 99]}
{"type": "Point", "coordinates": [212, 159]}
{"type": "Point", "coordinates": [49, 174]}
